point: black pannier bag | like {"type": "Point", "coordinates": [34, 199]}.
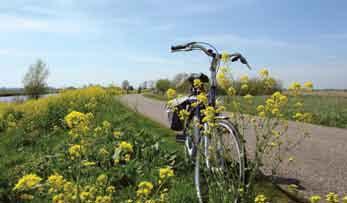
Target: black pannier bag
{"type": "Point", "coordinates": [177, 105]}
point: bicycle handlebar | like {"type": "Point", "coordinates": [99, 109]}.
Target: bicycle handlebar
{"type": "Point", "coordinates": [198, 46]}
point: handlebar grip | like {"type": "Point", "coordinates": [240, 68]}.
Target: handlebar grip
{"type": "Point", "coordinates": [178, 47]}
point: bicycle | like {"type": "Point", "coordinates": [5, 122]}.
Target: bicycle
{"type": "Point", "coordinates": [223, 148]}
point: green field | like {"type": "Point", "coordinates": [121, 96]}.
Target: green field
{"type": "Point", "coordinates": [327, 110]}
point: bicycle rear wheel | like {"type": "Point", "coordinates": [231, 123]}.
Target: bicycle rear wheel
{"type": "Point", "coordinates": [221, 164]}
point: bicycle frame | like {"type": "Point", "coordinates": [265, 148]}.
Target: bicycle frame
{"type": "Point", "coordinates": [193, 145]}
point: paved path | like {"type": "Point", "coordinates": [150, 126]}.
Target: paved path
{"type": "Point", "coordinates": [320, 163]}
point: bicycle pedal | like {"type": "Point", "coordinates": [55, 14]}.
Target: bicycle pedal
{"type": "Point", "coordinates": [180, 138]}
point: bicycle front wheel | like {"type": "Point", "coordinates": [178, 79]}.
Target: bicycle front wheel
{"type": "Point", "coordinates": [222, 164]}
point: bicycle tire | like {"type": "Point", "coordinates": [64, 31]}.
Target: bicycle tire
{"type": "Point", "coordinates": [206, 174]}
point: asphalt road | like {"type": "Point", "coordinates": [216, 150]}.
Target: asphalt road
{"type": "Point", "coordinates": [320, 164]}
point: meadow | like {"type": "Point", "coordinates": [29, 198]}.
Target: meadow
{"type": "Point", "coordinates": [84, 146]}
{"type": "Point", "coordinates": [328, 109]}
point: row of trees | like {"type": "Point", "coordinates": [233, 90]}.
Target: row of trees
{"type": "Point", "coordinates": [256, 86]}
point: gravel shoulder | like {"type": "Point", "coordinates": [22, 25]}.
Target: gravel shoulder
{"type": "Point", "coordinates": [320, 164]}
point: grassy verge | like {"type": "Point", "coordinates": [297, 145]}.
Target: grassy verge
{"type": "Point", "coordinates": [155, 96]}
{"type": "Point", "coordinates": [42, 147]}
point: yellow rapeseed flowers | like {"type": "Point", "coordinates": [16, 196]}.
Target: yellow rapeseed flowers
{"type": "Point", "coordinates": [56, 181]}
{"type": "Point", "coordinates": [260, 199]}
{"type": "Point", "coordinates": [264, 73]}
{"type": "Point", "coordinates": [197, 83]}
{"type": "Point", "coordinates": [231, 91]}
{"type": "Point", "coordinates": [76, 119]}
{"type": "Point", "coordinates": [244, 79]}
{"type": "Point", "coordinates": [202, 98]}
{"type": "Point", "coordinates": [308, 85]}
{"type": "Point", "coordinates": [183, 114]}
{"type": "Point", "coordinates": [76, 151]}
{"type": "Point", "coordinates": [171, 93]}
{"type": "Point", "coordinates": [165, 173]}
{"type": "Point", "coordinates": [332, 197]}
{"type": "Point", "coordinates": [223, 79]}
{"type": "Point", "coordinates": [126, 147]}
{"type": "Point", "coordinates": [28, 182]}
{"type": "Point", "coordinates": [144, 188]}
{"type": "Point", "coordinates": [315, 198]}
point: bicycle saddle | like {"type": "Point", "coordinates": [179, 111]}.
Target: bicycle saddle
{"type": "Point", "coordinates": [202, 77]}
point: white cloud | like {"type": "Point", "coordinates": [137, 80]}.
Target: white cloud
{"type": "Point", "coordinates": [20, 24]}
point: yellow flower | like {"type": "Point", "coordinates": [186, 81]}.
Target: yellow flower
{"type": "Point", "coordinates": [332, 197]}
{"type": "Point", "coordinates": [260, 108]}
{"type": "Point", "coordinates": [110, 189]}
{"type": "Point", "coordinates": [166, 173]}
{"type": "Point", "coordinates": [106, 125]}
{"type": "Point", "coordinates": [264, 73]}
{"type": "Point", "coordinates": [197, 83]}
{"type": "Point", "coordinates": [183, 114]}
{"type": "Point", "coordinates": [315, 198]}
{"type": "Point", "coordinates": [209, 115]}
{"type": "Point", "coordinates": [28, 182]}
{"type": "Point", "coordinates": [56, 181]}
{"type": "Point", "coordinates": [275, 111]}
{"type": "Point", "coordinates": [77, 119]}
{"type": "Point", "coordinates": [248, 98]}
{"type": "Point", "coordinates": [144, 188]}
{"type": "Point", "coordinates": [126, 147]}
{"type": "Point", "coordinates": [344, 199]}
{"type": "Point", "coordinates": [76, 151]}
{"type": "Point", "coordinates": [117, 134]}
{"type": "Point", "coordinates": [244, 79]}
{"type": "Point", "coordinates": [171, 93]}
{"type": "Point", "coordinates": [127, 157]}
{"type": "Point", "coordinates": [291, 159]}
{"type": "Point", "coordinates": [261, 114]}
{"type": "Point", "coordinates": [102, 179]}
{"type": "Point", "coordinates": [103, 152]}
{"type": "Point", "coordinates": [308, 85]}
{"type": "Point", "coordinates": [222, 78]}
{"type": "Point", "coordinates": [88, 163]}
{"type": "Point", "coordinates": [260, 199]}
{"type": "Point", "coordinates": [244, 87]}
{"type": "Point", "coordinates": [202, 98]}
{"type": "Point", "coordinates": [84, 195]}
{"type": "Point", "coordinates": [103, 199]}
{"type": "Point", "coordinates": [231, 91]}
{"type": "Point", "coordinates": [295, 87]}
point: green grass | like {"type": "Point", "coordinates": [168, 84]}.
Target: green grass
{"type": "Point", "coordinates": [23, 152]}
{"type": "Point", "coordinates": [327, 110]}
{"type": "Point", "coordinates": [155, 96]}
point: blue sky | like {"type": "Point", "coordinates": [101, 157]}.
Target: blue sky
{"type": "Point", "coordinates": [107, 41]}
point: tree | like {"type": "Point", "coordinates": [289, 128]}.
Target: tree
{"type": "Point", "coordinates": [162, 85]}
{"type": "Point", "coordinates": [35, 80]}
{"type": "Point", "coordinates": [125, 85]}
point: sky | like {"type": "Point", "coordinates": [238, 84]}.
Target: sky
{"type": "Point", "coordinates": [108, 41]}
